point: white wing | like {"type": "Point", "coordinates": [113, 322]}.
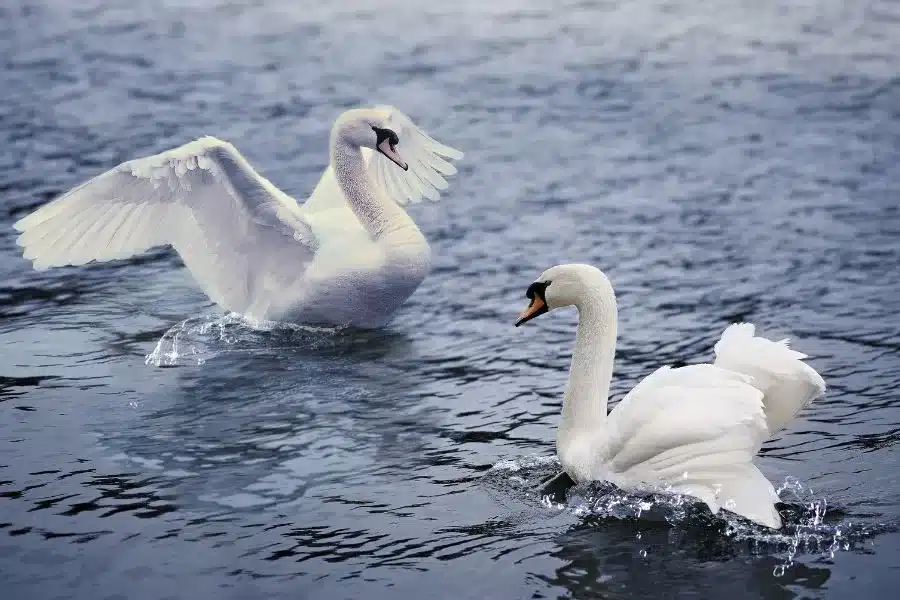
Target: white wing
{"type": "Point", "coordinates": [696, 429]}
{"type": "Point", "coordinates": [426, 177]}
{"type": "Point", "coordinates": [241, 238]}
{"type": "Point", "coordinates": [788, 384]}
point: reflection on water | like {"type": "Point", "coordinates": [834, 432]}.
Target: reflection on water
{"type": "Point", "coordinates": [721, 165]}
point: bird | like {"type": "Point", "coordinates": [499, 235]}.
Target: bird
{"type": "Point", "coordinates": [692, 430]}
{"type": "Point", "coordinates": [350, 255]}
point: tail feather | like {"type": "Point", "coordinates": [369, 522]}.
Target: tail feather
{"type": "Point", "coordinates": [788, 384]}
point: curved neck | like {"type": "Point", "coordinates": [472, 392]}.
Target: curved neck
{"type": "Point", "coordinates": [379, 215]}
{"type": "Point", "coordinates": [587, 392]}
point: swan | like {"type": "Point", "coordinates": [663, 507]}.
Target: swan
{"type": "Point", "coordinates": [350, 255]}
{"type": "Point", "coordinates": [691, 430]}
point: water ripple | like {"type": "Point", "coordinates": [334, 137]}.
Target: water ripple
{"type": "Point", "coordinates": [721, 165]}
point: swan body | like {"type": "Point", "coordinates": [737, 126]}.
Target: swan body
{"type": "Point", "coordinates": [350, 255]}
{"type": "Point", "coordinates": [693, 430]}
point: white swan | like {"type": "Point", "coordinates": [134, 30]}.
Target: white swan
{"type": "Point", "coordinates": [693, 430]}
{"type": "Point", "coordinates": [349, 255]}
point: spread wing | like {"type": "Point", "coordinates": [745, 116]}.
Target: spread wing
{"type": "Point", "coordinates": [428, 167]}
{"type": "Point", "coordinates": [241, 237]}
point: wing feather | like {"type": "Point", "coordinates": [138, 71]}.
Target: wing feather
{"type": "Point", "coordinates": [226, 221]}
{"type": "Point", "coordinates": [788, 384]}
{"type": "Point", "coordinates": [426, 157]}
{"type": "Point", "coordinates": [696, 429]}
{"type": "Point", "coordinates": [674, 411]}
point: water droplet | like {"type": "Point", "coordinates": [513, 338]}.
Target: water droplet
{"type": "Point", "coordinates": [778, 571]}
{"type": "Point", "coordinates": [643, 553]}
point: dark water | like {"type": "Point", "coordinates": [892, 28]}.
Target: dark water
{"type": "Point", "coordinates": [721, 160]}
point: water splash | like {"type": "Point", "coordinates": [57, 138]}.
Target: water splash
{"type": "Point", "coordinates": [196, 339]}
{"type": "Point", "coordinates": [810, 526]}
{"type": "Point", "coordinates": [810, 533]}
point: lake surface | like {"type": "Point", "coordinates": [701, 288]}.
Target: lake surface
{"type": "Point", "coordinates": [720, 160]}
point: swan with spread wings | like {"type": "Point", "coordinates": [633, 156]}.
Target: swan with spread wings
{"type": "Point", "coordinates": [350, 255]}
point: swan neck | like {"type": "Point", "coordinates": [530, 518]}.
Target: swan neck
{"type": "Point", "coordinates": [590, 374]}
{"type": "Point", "coordinates": [379, 215]}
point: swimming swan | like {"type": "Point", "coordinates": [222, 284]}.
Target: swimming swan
{"type": "Point", "coordinates": [350, 255]}
{"type": "Point", "coordinates": [693, 430]}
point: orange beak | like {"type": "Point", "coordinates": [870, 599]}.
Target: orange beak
{"type": "Point", "coordinates": [535, 309]}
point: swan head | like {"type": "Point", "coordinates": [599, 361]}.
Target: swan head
{"type": "Point", "coordinates": [563, 285]}
{"type": "Point", "coordinates": [370, 128]}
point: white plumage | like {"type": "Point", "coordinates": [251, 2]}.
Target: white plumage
{"type": "Point", "coordinates": [349, 255]}
{"type": "Point", "coordinates": [693, 430]}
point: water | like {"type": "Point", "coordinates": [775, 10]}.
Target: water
{"type": "Point", "coordinates": [721, 161]}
